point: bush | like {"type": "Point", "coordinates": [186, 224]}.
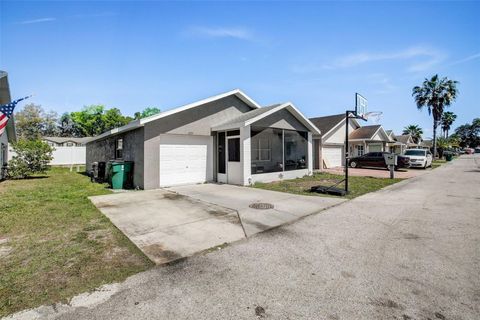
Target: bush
{"type": "Point", "coordinates": [32, 156]}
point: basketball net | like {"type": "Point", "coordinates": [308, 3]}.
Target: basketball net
{"type": "Point", "coordinates": [374, 116]}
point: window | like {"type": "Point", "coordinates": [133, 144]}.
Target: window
{"type": "Point", "coordinates": [360, 150]}
{"type": "Point", "coordinates": [233, 133]}
{"type": "Point", "coordinates": [267, 150]}
{"type": "Point", "coordinates": [221, 152]}
{"type": "Point", "coordinates": [234, 150]}
{"type": "Point", "coordinates": [295, 149]}
{"type": "Point", "coordinates": [119, 149]}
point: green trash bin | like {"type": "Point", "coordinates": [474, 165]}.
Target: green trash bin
{"type": "Point", "coordinates": [120, 174]}
{"type": "Point", "coordinates": [449, 156]}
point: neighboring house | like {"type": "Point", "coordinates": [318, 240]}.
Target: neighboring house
{"type": "Point", "coordinates": [67, 150]}
{"type": "Point", "coordinates": [227, 138]}
{"type": "Point", "coordinates": [394, 145]}
{"type": "Point", "coordinates": [328, 147]}
{"type": "Point", "coordinates": [426, 144]}
{"type": "Point", "coordinates": [9, 135]}
{"type": "Point", "coordinates": [408, 141]}
{"type": "Point", "coordinates": [367, 139]}
{"type": "Point", "coordinates": [66, 141]}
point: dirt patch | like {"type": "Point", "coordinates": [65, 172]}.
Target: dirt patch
{"type": "Point", "coordinates": [440, 316]}
{"type": "Point", "coordinates": [173, 196]}
{"type": "Point", "coordinates": [386, 303]}
{"type": "Point", "coordinates": [260, 311]}
{"type": "Point", "coordinates": [160, 254]}
{"type": "Point", "coordinates": [217, 213]}
{"type": "Point", "coordinates": [411, 236]}
{"type": "Point", "coordinates": [346, 274]}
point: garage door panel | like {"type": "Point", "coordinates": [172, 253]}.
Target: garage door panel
{"type": "Point", "coordinates": [333, 156]}
{"type": "Point", "coordinates": [183, 163]}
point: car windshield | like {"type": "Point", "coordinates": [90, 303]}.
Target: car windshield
{"type": "Point", "coordinates": [414, 153]}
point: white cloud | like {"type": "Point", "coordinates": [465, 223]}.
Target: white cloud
{"type": "Point", "coordinates": [469, 58]}
{"type": "Point", "coordinates": [41, 20]}
{"type": "Point", "coordinates": [221, 32]}
{"type": "Point", "coordinates": [429, 57]}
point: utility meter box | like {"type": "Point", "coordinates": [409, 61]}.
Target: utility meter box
{"type": "Point", "coordinates": [390, 159]}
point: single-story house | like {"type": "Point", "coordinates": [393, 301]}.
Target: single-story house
{"type": "Point", "coordinates": [394, 145]}
{"type": "Point", "coordinates": [227, 138]}
{"type": "Point", "coordinates": [328, 147]}
{"type": "Point", "coordinates": [426, 144]}
{"type": "Point", "coordinates": [9, 135]}
{"type": "Point", "coordinates": [66, 141]}
{"type": "Point", "coordinates": [408, 141]}
{"type": "Point", "coordinates": [367, 139]}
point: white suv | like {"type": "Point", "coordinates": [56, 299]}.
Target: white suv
{"type": "Point", "coordinates": [420, 158]}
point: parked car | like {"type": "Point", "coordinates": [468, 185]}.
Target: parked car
{"type": "Point", "coordinates": [419, 158]}
{"type": "Point", "coordinates": [377, 160]}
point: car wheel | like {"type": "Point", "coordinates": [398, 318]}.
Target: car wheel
{"type": "Point", "coordinates": [425, 166]}
{"type": "Point", "coordinates": [353, 164]}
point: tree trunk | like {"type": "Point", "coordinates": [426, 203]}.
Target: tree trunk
{"type": "Point", "coordinates": [434, 138]}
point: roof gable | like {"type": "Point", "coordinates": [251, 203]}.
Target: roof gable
{"type": "Point", "coordinates": [368, 133]}
{"type": "Point", "coordinates": [328, 124]}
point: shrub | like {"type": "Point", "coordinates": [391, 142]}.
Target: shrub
{"type": "Point", "coordinates": [31, 156]}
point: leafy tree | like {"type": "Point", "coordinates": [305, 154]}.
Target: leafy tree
{"type": "Point", "coordinates": [147, 112]}
{"type": "Point", "coordinates": [94, 120]}
{"type": "Point", "coordinates": [435, 94]}
{"type": "Point", "coordinates": [29, 121]}
{"type": "Point", "coordinates": [448, 118]}
{"type": "Point", "coordinates": [415, 131]}
{"type": "Point", "coordinates": [469, 134]}
{"type": "Point", "coordinates": [31, 157]}
{"type": "Point", "coordinates": [50, 127]}
{"type": "Point", "coordinates": [67, 127]}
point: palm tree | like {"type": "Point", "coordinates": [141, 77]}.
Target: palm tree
{"type": "Point", "coordinates": [435, 94]}
{"type": "Point", "coordinates": [415, 131]}
{"type": "Point", "coordinates": [447, 120]}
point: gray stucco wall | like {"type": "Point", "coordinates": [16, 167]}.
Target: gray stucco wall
{"type": "Point", "coordinates": [282, 119]}
{"type": "Point", "coordinates": [133, 150]}
{"type": "Point", "coordinates": [195, 121]}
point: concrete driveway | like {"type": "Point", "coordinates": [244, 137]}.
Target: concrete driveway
{"type": "Point", "coordinates": [171, 224]}
{"type": "Point", "coordinates": [286, 207]}
{"type": "Point", "coordinates": [167, 226]}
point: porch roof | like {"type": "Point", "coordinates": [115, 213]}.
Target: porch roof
{"type": "Point", "coordinates": [253, 116]}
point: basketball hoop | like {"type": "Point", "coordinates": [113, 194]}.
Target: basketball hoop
{"type": "Point", "coordinates": [374, 116]}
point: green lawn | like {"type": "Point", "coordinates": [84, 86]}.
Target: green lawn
{"type": "Point", "coordinates": [357, 185]}
{"type": "Point", "coordinates": [437, 163]}
{"type": "Point", "coordinates": [54, 243]}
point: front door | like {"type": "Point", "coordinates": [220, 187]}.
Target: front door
{"type": "Point", "coordinates": [234, 168]}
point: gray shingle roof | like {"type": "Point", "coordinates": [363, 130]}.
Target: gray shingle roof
{"type": "Point", "coordinates": [249, 115]}
{"type": "Point", "coordinates": [325, 124]}
{"type": "Point", "coordinates": [365, 132]}
{"type": "Point", "coordinates": [403, 138]}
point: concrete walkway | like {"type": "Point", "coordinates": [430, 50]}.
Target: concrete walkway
{"type": "Point", "coordinates": [286, 207]}
{"type": "Point", "coordinates": [411, 251]}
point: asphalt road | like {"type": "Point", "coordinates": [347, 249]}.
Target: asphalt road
{"type": "Point", "coordinates": [411, 251]}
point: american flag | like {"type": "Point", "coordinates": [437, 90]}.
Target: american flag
{"type": "Point", "coordinates": [6, 112]}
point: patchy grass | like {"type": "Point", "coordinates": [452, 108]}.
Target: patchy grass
{"type": "Point", "coordinates": [54, 243]}
{"type": "Point", "coordinates": [357, 185]}
{"type": "Point", "coordinates": [437, 163]}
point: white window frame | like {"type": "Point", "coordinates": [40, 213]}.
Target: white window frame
{"type": "Point", "coordinates": [360, 150]}
{"type": "Point", "coordinates": [258, 151]}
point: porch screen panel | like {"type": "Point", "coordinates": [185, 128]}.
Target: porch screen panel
{"type": "Point", "coordinates": [221, 153]}
{"type": "Point", "coordinates": [267, 150]}
{"type": "Point", "coordinates": [296, 150]}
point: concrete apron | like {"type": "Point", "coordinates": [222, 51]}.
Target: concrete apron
{"type": "Point", "coordinates": [287, 207]}
{"type": "Point", "coordinates": [167, 226]}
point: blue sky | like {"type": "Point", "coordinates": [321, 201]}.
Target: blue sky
{"type": "Point", "coordinates": [132, 55]}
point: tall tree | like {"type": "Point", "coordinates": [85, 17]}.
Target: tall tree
{"type": "Point", "coordinates": [95, 119]}
{"type": "Point", "coordinates": [469, 134]}
{"type": "Point", "coordinates": [415, 131]}
{"type": "Point", "coordinates": [147, 112]}
{"type": "Point", "coordinates": [29, 122]}
{"type": "Point", "coordinates": [67, 127]}
{"type": "Point", "coordinates": [435, 94]}
{"type": "Point", "coordinates": [50, 124]}
{"type": "Point", "coordinates": [448, 118]}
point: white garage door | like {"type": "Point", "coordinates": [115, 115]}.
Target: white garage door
{"type": "Point", "coordinates": [182, 164]}
{"type": "Point", "coordinates": [374, 148]}
{"type": "Point", "coordinates": [332, 156]}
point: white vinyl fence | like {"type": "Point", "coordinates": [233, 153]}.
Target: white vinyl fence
{"type": "Point", "coordinates": [63, 155]}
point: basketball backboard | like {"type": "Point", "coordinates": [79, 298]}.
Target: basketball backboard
{"type": "Point", "coordinates": [361, 106]}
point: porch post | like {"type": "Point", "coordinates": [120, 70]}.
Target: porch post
{"type": "Point", "coordinates": [246, 154]}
